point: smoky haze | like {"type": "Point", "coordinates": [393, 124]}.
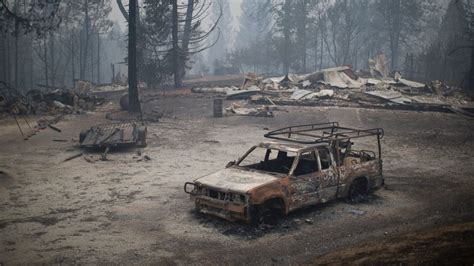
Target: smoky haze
{"type": "Point", "coordinates": [85, 40]}
{"type": "Point", "coordinates": [248, 132]}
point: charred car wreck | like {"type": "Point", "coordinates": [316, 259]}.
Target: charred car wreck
{"type": "Point", "coordinates": [300, 166]}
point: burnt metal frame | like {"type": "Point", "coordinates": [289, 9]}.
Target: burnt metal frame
{"type": "Point", "coordinates": [110, 129]}
{"type": "Point", "coordinates": [328, 133]}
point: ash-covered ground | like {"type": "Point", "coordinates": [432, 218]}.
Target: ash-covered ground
{"type": "Point", "coordinates": [133, 210]}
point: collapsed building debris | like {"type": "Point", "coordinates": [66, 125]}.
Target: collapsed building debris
{"type": "Point", "coordinates": [56, 103]}
{"type": "Point", "coordinates": [237, 109]}
{"type": "Point", "coordinates": [306, 94]}
{"type": "Point", "coordinates": [41, 102]}
{"type": "Point", "coordinates": [214, 90]}
{"type": "Point", "coordinates": [340, 86]}
{"type": "Point", "coordinates": [387, 95]}
{"type": "Point", "coordinates": [378, 66]}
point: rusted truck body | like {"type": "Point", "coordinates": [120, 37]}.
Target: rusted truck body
{"type": "Point", "coordinates": [301, 166]}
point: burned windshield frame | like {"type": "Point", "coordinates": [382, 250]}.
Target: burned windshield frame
{"type": "Point", "coordinates": [283, 153]}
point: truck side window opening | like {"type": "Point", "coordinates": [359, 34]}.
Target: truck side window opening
{"type": "Point", "coordinates": [325, 158]}
{"type": "Point", "coordinates": [307, 164]}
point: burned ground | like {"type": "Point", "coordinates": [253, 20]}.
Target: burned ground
{"type": "Point", "coordinates": [133, 210]}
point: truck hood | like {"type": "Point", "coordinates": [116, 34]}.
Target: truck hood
{"type": "Point", "coordinates": [235, 179]}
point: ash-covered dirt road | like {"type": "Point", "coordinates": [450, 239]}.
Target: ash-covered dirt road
{"type": "Point", "coordinates": [130, 210]}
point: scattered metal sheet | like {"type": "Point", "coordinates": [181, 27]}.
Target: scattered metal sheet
{"type": "Point", "coordinates": [393, 96]}
{"type": "Point", "coordinates": [339, 77]}
{"type": "Point", "coordinates": [245, 111]}
{"type": "Point", "coordinates": [214, 90]}
{"type": "Point", "coordinates": [306, 83]}
{"type": "Point", "coordinates": [300, 94]}
{"type": "Point", "coordinates": [241, 94]}
{"type": "Point", "coordinates": [246, 94]}
{"type": "Point", "coordinates": [306, 94]}
{"type": "Point", "coordinates": [274, 80]}
{"type": "Point", "coordinates": [410, 83]}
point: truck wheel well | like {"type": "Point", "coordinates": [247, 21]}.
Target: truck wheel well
{"type": "Point", "coordinates": [268, 212]}
{"type": "Point", "coordinates": [358, 190]}
{"type": "Point", "coordinates": [275, 204]}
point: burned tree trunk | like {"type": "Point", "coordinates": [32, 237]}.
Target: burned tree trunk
{"type": "Point", "coordinates": [98, 58]}
{"type": "Point", "coordinates": [186, 37]}
{"type": "Point", "coordinates": [286, 33]}
{"type": "Point", "coordinates": [72, 63]}
{"type": "Point", "coordinates": [84, 52]}
{"type": "Point", "coordinates": [52, 63]}
{"type": "Point", "coordinates": [471, 71]}
{"type": "Point", "coordinates": [134, 104]}
{"type": "Point", "coordinates": [46, 77]}
{"type": "Point", "coordinates": [16, 55]}
{"type": "Point", "coordinates": [175, 52]}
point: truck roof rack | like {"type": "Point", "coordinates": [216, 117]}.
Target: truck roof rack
{"type": "Point", "coordinates": [321, 133]}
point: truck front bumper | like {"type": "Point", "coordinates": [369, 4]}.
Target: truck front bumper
{"type": "Point", "coordinates": [227, 210]}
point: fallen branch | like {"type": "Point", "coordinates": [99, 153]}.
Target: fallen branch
{"type": "Point", "coordinates": [54, 128]}
{"type": "Point", "coordinates": [73, 157]}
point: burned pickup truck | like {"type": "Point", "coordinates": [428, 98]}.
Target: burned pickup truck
{"type": "Point", "coordinates": [300, 166]}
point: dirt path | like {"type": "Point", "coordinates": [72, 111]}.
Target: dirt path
{"type": "Point", "coordinates": [130, 210]}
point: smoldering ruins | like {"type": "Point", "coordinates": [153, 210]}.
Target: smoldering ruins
{"type": "Point", "coordinates": [236, 132]}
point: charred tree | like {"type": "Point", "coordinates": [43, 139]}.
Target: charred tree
{"type": "Point", "coordinates": [52, 63]}
{"type": "Point", "coordinates": [175, 51]}
{"type": "Point", "coordinates": [98, 58]}
{"type": "Point", "coordinates": [46, 76]}
{"type": "Point", "coordinates": [16, 53]}
{"type": "Point", "coordinates": [286, 36]}
{"type": "Point", "coordinates": [133, 101]}
{"type": "Point", "coordinates": [73, 70]}
{"type": "Point", "coordinates": [186, 37]}
{"type": "Point", "coordinates": [85, 41]}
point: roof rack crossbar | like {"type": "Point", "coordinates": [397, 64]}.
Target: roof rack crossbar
{"type": "Point", "coordinates": [327, 132]}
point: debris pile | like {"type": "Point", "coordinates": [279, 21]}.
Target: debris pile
{"type": "Point", "coordinates": [238, 109]}
{"type": "Point", "coordinates": [114, 135]}
{"type": "Point", "coordinates": [341, 86]}
{"type": "Point", "coordinates": [57, 101]}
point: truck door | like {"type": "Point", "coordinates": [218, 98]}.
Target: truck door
{"type": "Point", "coordinates": [304, 181]}
{"type": "Point", "coordinates": [327, 175]}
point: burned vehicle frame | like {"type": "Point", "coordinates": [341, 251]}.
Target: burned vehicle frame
{"type": "Point", "coordinates": [314, 164]}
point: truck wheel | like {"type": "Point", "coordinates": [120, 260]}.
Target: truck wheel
{"type": "Point", "coordinates": [359, 191]}
{"type": "Point", "coordinates": [267, 213]}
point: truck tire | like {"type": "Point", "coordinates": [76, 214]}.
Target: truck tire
{"type": "Point", "coordinates": [358, 191]}
{"type": "Point", "coordinates": [268, 213]}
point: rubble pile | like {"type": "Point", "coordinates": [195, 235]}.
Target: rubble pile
{"type": "Point", "coordinates": [57, 101]}
{"type": "Point", "coordinates": [341, 86]}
